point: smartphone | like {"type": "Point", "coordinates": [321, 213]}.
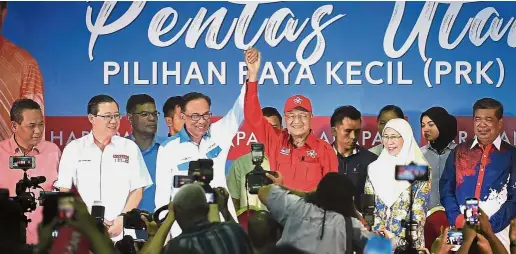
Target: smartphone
{"type": "Point", "coordinates": [411, 172]}
{"type": "Point", "coordinates": [65, 207]}
{"type": "Point", "coordinates": [22, 162]}
{"type": "Point", "coordinates": [455, 239]}
{"type": "Point", "coordinates": [210, 197]}
{"type": "Point", "coordinates": [471, 212]}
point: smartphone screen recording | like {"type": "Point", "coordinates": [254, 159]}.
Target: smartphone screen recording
{"type": "Point", "coordinates": [472, 211]}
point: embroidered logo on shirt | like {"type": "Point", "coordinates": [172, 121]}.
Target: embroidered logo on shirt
{"type": "Point", "coordinates": [298, 100]}
{"type": "Point", "coordinates": [285, 151]}
{"type": "Point", "coordinates": [311, 153]}
{"type": "Point", "coordinates": [121, 158]}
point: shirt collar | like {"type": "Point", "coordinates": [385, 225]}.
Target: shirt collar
{"type": "Point", "coordinates": [497, 142]}
{"type": "Point", "coordinates": [311, 140]}
{"type": "Point", "coordinates": [91, 140]}
{"type": "Point", "coordinates": [156, 140]}
{"type": "Point", "coordinates": [185, 137]}
{"type": "Point", "coordinates": [16, 149]}
{"type": "Point", "coordinates": [334, 145]}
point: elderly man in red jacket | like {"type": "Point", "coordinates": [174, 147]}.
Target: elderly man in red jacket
{"type": "Point", "coordinates": [301, 157]}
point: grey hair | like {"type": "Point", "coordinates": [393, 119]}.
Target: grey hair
{"type": "Point", "coordinates": [190, 198]}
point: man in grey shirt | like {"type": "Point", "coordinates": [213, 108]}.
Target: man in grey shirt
{"type": "Point", "coordinates": [321, 225]}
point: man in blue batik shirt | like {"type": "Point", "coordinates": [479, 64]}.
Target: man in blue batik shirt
{"type": "Point", "coordinates": [143, 117]}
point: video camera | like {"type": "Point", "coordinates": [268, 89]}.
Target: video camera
{"type": "Point", "coordinates": [198, 171]}
{"type": "Point", "coordinates": [133, 219]}
{"type": "Point", "coordinates": [24, 197]}
{"type": "Point", "coordinates": [257, 178]}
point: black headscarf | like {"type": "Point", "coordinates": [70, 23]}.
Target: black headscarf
{"type": "Point", "coordinates": [446, 124]}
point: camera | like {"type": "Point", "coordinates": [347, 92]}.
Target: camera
{"type": "Point", "coordinates": [411, 172]}
{"type": "Point", "coordinates": [133, 219]}
{"type": "Point", "coordinates": [198, 171]}
{"type": "Point", "coordinates": [368, 206]}
{"type": "Point", "coordinates": [257, 178]}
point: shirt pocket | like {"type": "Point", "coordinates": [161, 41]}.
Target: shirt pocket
{"type": "Point", "coordinates": [87, 173]}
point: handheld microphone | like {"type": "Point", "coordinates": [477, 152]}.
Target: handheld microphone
{"type": "Point", "coordinates": [368, 205]}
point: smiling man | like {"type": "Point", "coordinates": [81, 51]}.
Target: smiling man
{"type": "Point", "coordinates": [105, 167]}
{"type": "Point", "coordinates": [482, 168]}
{"type": "Point", "coordinates": [302, 158]}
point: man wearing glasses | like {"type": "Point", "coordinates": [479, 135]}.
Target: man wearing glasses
{"type": "Point", "coordinates": [143, 117]}
{"type": "Point", "coordinates": [300, 157]}
{"type": "Point", "coordinates": [105, 167]}
{"type": "Point", "coordinates": [199, 139]}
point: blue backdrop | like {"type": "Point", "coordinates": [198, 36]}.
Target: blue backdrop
{"type": "Point", "coordinates": [56, 34]}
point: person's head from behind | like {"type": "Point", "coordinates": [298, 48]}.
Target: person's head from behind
{"type": "Point", "coordinates": [438, 124]}
{"type": "Point", "coordinates": [104, 116]}
{"type": "Point", "coordinates": [386, 114]}
{"type": "Point", "coordinates": [346, 125]}
{"type": "Point", "coordinates": [488, 120]}
{"type": "Point", "coordinates": [172, 112]}
{"type": "Point", "coordinates": [142, 114]}
{"type": "Point", "coordinates": [273, 117]}
{"type": "Point", "coordinates": [263, 230]}
{"type": "Point", "coordinates": [397, 137]}
{"type": "Point", "coordinates": [27, 122]}
{"type": "Point", "coordinates": [334, 186]}
{"type": "Point", "coordinates": [3, 13]}
{"type": "Point", "coordinates": [298, 115]}
{"type": "Point", "coordinates": [196, 114]}
{"type": "Point", "coordinates": [190, 205]}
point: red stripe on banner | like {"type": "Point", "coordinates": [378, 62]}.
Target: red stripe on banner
{"type": "Point", "coordinates": [63, 129]}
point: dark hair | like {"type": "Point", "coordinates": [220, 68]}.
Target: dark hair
{"type": "Point", "coordinates": [3, 5]}
{"type": "Point", "coordinates": [344, 112]}
{"type": "Point", "coordinates": [392, 108]}
{"type": "Point", "coordinates": [194, 96]}
{"type": "Point", "coordinates": [270, 111]}
{"type": "Point", "coordinates": [489, 103]}
{"type": "Point", "coordinates": [334, 186]}
{"type": "Point", "coordinates": [171, 104]}
{"type": "Point", "coordinates": [262, 229]}
{"type": "Point", "coordinates": [19, 106]}
{"type": "Point", "coordinates": [138, 99]}
{"type": "Point", "coordinates": [93, 104]}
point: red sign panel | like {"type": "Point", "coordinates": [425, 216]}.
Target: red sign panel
{"type": "Point", "coordinates": [63, 129]}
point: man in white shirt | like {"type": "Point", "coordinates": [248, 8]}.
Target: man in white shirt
{"type": "Point", "coordinates": [199, 139]}
{"type": "Point", "coordinates": [105, 167]}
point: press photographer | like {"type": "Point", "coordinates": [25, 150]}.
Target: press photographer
{"type": "Point", "coordinates": [27, 124]}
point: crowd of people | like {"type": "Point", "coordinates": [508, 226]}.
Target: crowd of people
{"type": "Point", "coordinates": [316, 199]}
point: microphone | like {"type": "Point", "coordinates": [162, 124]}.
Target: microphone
{"type": "Point", "coordinates": [37, 180]}
{"type": "Point", "coordinates": [368, 205]}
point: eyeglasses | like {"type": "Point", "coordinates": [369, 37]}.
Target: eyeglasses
{"type": "Point", "coordinates": [393, 138]}
{"type": "Point", "coordinates": [197, 117]}
{"type": "Point", "coordinates": [110, 117]}
{"type": "Point", "coordinates": [147, 114]}
{"type": "Point", "coordinates": [300, 116]}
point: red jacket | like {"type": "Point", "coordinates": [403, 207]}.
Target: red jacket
{"type": "Point", "coordinates": [302, 168]}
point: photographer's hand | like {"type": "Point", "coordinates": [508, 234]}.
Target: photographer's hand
{"type": "Point", "coordinates": [45, 234]}
{"type": "Point", "coordinates": [222, 202]}
{"type": "Point", "coordinates": [276, 180]}
{"type": "Point", "coordinates": [116, 228]}
{"type": "Point", "coordinates": [487, 231]}
{"type": "Point", "coordinates": [440, 245]}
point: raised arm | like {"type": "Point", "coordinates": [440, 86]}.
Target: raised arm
{"type": "Point", "coordinates": [261, 128]}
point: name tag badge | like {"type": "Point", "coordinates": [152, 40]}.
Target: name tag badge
{"type": "Point", "coordinates": [121, 158]}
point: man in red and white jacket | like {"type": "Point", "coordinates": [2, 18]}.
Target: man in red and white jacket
{"type": "Point", "coordinates": [301, 157]}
